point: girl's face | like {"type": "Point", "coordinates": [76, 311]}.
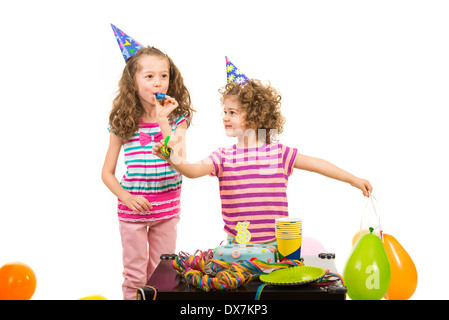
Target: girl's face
{"type": "Point", "coordinates": [153, 77]}
{"type": "Point", "coordinates": [233, 117]}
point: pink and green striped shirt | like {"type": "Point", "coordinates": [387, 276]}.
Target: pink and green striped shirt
{"type": "Point", "coordinates": [253, 187]}
{"type": "Point", "coordinates": [150, 176]}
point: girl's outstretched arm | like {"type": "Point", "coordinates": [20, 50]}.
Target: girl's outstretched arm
{"type": "Point", "coordinates": [190, 170]}
{"type": "Point", "coordinates": [327, 169]}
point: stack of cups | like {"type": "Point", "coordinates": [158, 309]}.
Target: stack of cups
{"type": "Point", "coordinates": [289, 237]}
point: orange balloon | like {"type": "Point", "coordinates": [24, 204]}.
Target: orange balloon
{"type": "Point", "coordinates": [357, 236]}
{"type": "Point", "coordinates": [404, 277]}
{"type": "Point", "coordinates": [17, 282]}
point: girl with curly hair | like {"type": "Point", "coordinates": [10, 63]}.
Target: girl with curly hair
{"type": "Point", "coordinates": [253, 173]}
{"type": "Point", "coordinates": [149, 192]}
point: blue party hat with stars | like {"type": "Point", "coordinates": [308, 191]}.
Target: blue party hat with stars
{"type": "Point", "coordinates": [128, 46]}
{"type": "Point", "coordinates": [234, 74]}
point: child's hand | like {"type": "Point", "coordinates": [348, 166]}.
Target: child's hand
{"type": "Point", "coordinates": [156, 150]}
{"type": "Point", "coordinates": [137, 203]}
{"type": "Point", "coordinates": [363, 185]}
{"type": "Point", "coordinates": [170, 104]}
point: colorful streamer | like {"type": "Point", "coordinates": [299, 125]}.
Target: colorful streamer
{"type": "Point", "coordinates": [202, 271]}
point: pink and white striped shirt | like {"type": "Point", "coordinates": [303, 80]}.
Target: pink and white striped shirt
{"type": "Point", "coordinates": [150, 176]}
{"type": "Point", "coordinates": [253, 187]}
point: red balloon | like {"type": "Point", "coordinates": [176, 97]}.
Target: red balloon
{"type": "Point", "coordinates": [17, 282]}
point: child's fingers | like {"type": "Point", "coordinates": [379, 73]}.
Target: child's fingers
{"type": "Point", "coordinates": [368, 188]}
{"type": "Point", "coordinates": [170, 104]}
{"type": "Point", "coordinates": [160, 144]}
{"type": "Point", "coordinates": [136, 207]}
{"type": "Point", "coordinates": [171, 100]}
{"type": "Point", "coordinates": [170, 108]}
{"type": "Point", "coordinates": [366, 192]}
{"type": "Point", "coordinates": [142, 204]}
{"type": "Point", "coordinates": [156, 149]}
{"type": "Point", "coordinates": [147, 204]}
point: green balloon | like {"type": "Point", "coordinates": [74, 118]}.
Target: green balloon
{"type": "Point", "coordinates": [367, 270]}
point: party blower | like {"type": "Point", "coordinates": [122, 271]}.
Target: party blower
{"type": "Point", "coordinates": [166, 150]}
{"type": "Point", "coordinates": [160, 97]}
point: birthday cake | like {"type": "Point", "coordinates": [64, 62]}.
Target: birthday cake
{"type": "Point", "coordinates": [237, 252]}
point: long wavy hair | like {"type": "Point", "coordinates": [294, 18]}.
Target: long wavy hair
{"type": "Point", "coordinates": [126, 107]}
{"type": "Point", "coordinates": [261, 103]}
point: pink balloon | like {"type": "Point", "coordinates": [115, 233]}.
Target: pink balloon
{"type": "Point", "coordinates": [311, 246]}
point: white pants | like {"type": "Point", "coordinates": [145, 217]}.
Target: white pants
{"type": "Point", "coordinates": [143, 244]}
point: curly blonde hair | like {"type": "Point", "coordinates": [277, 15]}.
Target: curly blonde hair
{"type": "Point", "coordinates": [261, 103]}
{"type": "Point", "coordinates": [126, 107]}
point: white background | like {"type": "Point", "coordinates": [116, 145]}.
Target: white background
{"type": "Point", "coordinates": [364, 85]}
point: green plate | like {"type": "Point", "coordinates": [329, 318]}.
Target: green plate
{"type": "Point", "coordinates": [293, 275]}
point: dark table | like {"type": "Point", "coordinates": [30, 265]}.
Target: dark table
{"type": "Point", "coordinates": [170, 285]}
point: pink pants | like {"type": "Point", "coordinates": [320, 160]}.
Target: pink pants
{"type": "Point", "coordinates": [143, 244]}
